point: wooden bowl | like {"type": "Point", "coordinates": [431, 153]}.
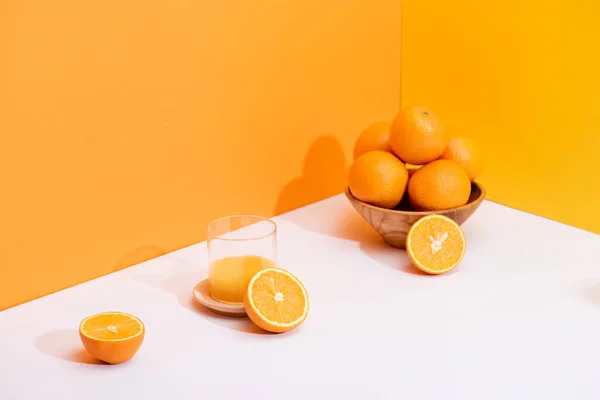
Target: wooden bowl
{"type": "Point", "coordinates": [393, 225]}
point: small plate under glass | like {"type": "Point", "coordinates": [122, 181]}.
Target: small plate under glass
{"type": "Point", "coordinates": [202, 296]}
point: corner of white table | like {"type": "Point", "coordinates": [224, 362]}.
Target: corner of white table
{"type": "Point", "coordinates": [518, 319]}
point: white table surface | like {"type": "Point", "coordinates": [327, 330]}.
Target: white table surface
{"type": "Point", "coordinates": [518, 319]}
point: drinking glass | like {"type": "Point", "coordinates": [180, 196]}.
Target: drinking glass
{"type": "Point", "coordinates": [238, 247]}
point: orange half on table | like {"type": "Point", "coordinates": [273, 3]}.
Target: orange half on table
{"type": "Point", "coordinates": [276, 300]}
{"type": "Point", "coordinates": [435, 244]}
{"type": "Point", "coordinates": [113, 337]}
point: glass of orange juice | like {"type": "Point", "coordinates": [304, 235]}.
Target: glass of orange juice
{"type": "Point", "coordinates": [238, 247]}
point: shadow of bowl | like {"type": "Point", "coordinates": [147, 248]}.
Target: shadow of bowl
{"type": "Point", "coordinates": [393, 225]}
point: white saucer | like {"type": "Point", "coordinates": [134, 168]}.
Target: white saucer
{"type": "Point", "coordinates": [202, 295]}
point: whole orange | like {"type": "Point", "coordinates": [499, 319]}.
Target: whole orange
{"type": "Point", "coordinates": [467, 154]}
{"type": "Point", "coordinates": [439, 185]}
{"type": "Point", "coordinates": [378, 178]}
{"type": "Point", "coordinates": [417, 135]}
{"type": "Point", "coordinates": [374, 137]}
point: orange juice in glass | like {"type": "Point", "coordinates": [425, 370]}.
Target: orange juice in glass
{"type": "Point", "coordinates": [238, 247]}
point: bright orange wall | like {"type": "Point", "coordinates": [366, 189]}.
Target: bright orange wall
{"type": "Point", "coordinates": [126, 126]}
{"type": "Point", "coordinates": [523, 78]}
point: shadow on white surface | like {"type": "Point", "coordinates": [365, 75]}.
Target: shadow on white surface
{"type": "Point", "coordinates": [349, 225]}
{"type": "Point", "coordinates": [240, 324]}
{"type": "Point", "coordinates": [65, 345]}
{"type": "Point", "coordinates": [343, 222]}
{"type": "Point", "coordinates": [386, 255]}
{"type": "Point", "coordinates": [592, 294]}
{"type": "Point", "coordinates": [180, 283]}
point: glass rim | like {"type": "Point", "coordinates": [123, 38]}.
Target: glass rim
{"type": "Point", "coordinates": [257, 217]}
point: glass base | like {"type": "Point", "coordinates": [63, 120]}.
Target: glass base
{"type": "Point", "coordinates": [233, 303]}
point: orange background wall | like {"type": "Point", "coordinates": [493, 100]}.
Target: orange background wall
{"type": "Point", "coordinates": [522, 77]}
{"type": "Point", "coordinates": [126, 126]}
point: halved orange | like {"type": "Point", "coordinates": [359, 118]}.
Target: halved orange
{"type": "Point", "coordinates": [113, 337]}
{"type": "Point", "coordinates": [276, 300]}
{"type": "Point", "coordinates": [435, 244]}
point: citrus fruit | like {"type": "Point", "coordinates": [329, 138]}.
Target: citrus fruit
{"type": "Point", "coordinates": [417, 136]}
{"type": "Point", "coordinates": [435, 244]}
{"type": "Point", "coordinates": [439, 185]}
{"type": "Point", "coordinates": [276, 300]}
{"type": "Point", "coordinates": [467, 154]}
{"type": "Point", "coordinates": [378, 178]}
{"type": "Point", "coordinates": [113, 337]}
{"type": "Point", "coordinates": [375, 137]}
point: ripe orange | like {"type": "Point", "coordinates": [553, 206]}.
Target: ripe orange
{"type": "Point", "coordinates": [375, 137]}
{"type": "Point", "coordinates": [276, 300]}
{"type": "Point", "coordinates": [435, 244]}
{"type": "Point", "coordinates": [378, 178]}
{"type": "Point", "coordinates": [467, 154]}
{"type": "Point", "coordinates": [113, 337]}
{"type": "Point", "coordinates": [439, 185]}
{"type": "Point", "coordinates": [417, 135]}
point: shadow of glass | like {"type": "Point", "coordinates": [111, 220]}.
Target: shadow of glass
{"type": "Point", "coordinates": [239, 324]}
{"type": "Point", "coordinates": [66, 345]}
{"type": "Point", "coordinates": [180, 282]}
{"type": "Point", "coordinates": [323, 175]}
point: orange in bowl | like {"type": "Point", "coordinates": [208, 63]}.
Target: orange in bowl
{"type": "Point", "coordinates": [375, 137]}
{"type": "Point", "coordinates": [439, 185]}
{"type": "Point", "coordinates": [466, 153]}
{"type": "Point", "coordinates": [112, 337]}
{"type": "Point", "coordinates": [417, 135]}
{"type": "Point", "coordinates": [378, 178]}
